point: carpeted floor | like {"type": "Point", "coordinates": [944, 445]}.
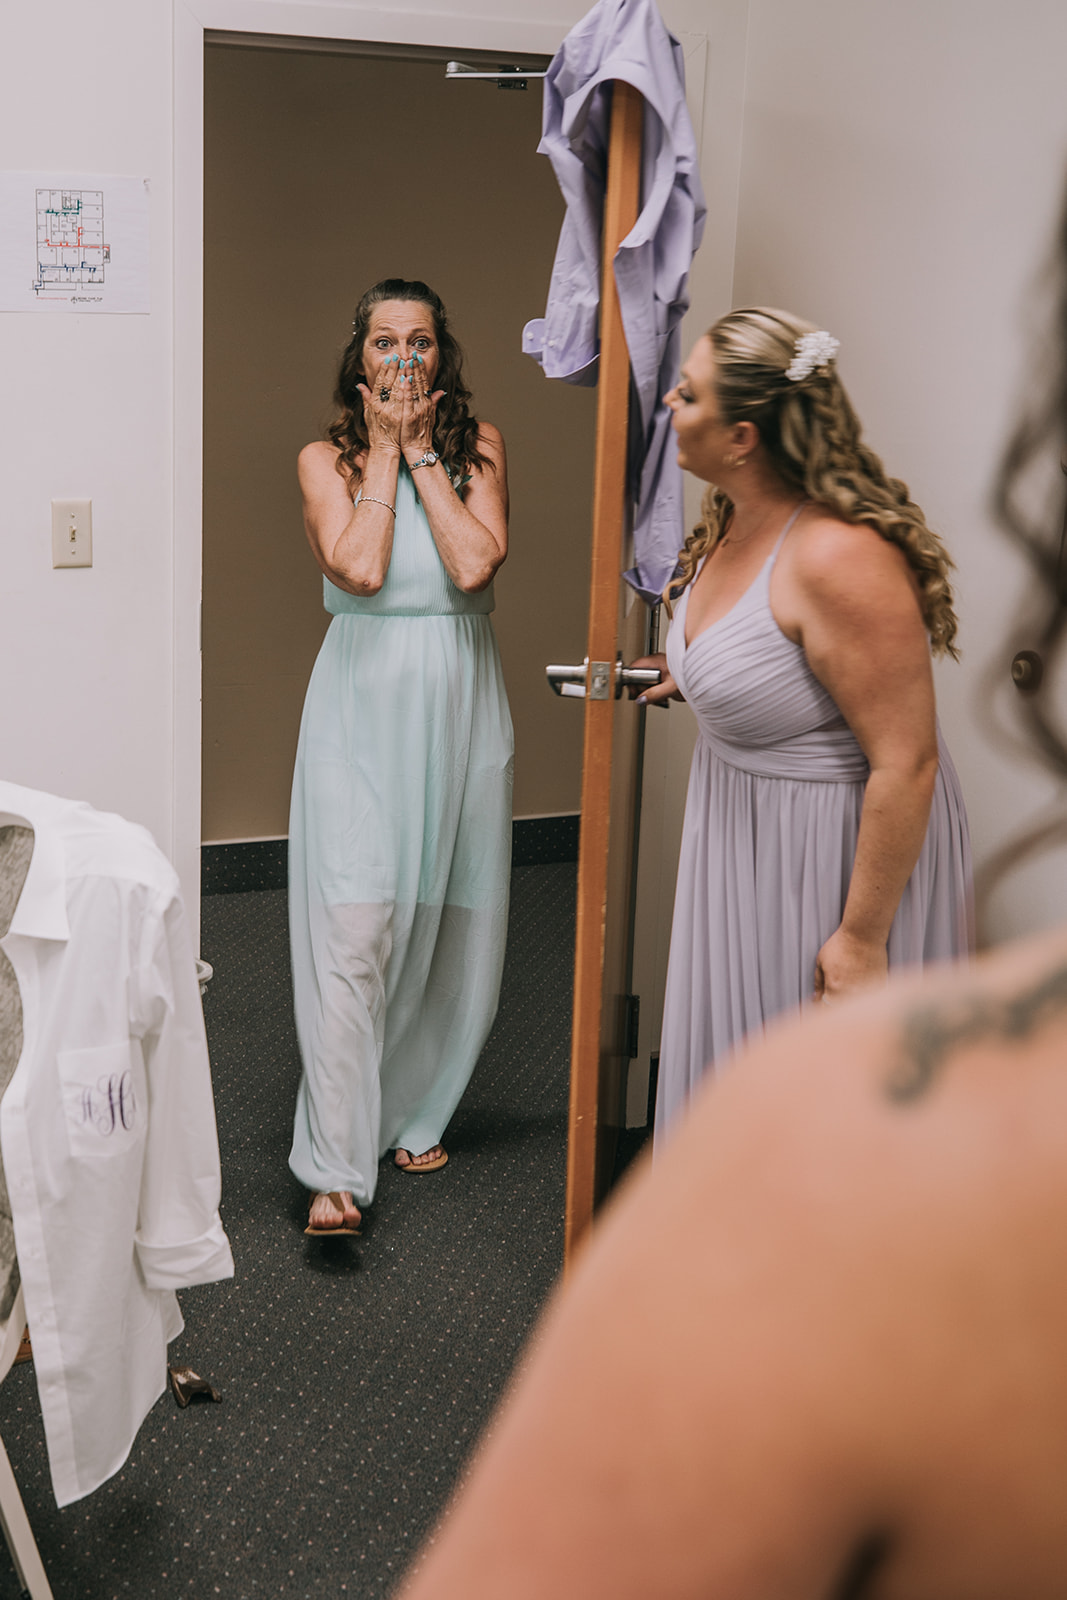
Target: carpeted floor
{"type": "Point", "coordinates": [355, 1374]}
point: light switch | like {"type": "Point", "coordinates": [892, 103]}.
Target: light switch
{"type": "Point", "coordinates": [72, 533]}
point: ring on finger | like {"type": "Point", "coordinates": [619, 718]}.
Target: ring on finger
{"type": "Point", "coordinates": [384, 393]}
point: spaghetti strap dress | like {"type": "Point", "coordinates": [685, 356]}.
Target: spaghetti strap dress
{"type": "Point", "coordinates": [771, 819]}
{"type": "Point", "coordinates": [399, 863]}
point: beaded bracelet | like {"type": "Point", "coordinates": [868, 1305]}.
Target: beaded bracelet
{"type": "Point", "coordinates": [364, 498]}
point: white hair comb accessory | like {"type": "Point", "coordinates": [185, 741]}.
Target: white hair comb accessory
{"type": "Point", "coordinates": [812, 350]}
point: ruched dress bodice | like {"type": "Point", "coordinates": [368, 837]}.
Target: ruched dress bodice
{"type": "Point", "coordinates": [771, 821]}
{"type": "Point", "coordinates": [759, 705]}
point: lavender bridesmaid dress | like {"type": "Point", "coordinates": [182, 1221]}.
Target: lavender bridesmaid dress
{"type": "Point", "coordinates": [771, 819]}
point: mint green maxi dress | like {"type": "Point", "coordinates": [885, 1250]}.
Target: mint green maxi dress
{"type": "Point", "coordinates": [399, 863]}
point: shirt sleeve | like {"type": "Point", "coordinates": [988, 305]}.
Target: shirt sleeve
{"type": "Point", "coordinates": [179, 1239]}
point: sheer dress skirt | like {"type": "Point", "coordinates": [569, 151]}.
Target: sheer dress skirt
{"type": "Point", "coordinates": [399, 862]}
{"type": "Point", "coordinates": [763, 875]}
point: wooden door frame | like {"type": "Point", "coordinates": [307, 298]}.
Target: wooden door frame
{"type": "Point", "coordinates": [622, 199]}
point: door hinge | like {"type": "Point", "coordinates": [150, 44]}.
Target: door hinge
{"type": "Point", "coordinates": [631, 1024]}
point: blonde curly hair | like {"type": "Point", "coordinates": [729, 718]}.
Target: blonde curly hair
{"type": "Point", "coordinates": [813, 439]}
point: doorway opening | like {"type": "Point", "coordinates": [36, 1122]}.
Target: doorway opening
{"type": "Point", "coordinates": [330, 165]}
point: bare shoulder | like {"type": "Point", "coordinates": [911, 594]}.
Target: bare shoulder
{"type": "Point", "coordinates": [491, 444]}
{"type": "Point", "coordinates": [317, 460]}
{"type": "Point", "coordinates": [831, 555]}
{"type": "Point", "coordinates": [841, 580]}
{"type": "Point", "coordinates": [320, 482]}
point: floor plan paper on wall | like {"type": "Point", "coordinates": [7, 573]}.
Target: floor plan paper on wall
{"type": "Point", "coordinates": [73, 242]}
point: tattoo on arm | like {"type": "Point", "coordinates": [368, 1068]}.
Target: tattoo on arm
{"type": "Point", "coordinates": [932, 1033]}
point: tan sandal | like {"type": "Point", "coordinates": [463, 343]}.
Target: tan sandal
{"type": "Point", "coordinates": [335, 1200]}
{"type": "Point", "coordinates": [424, 1166]}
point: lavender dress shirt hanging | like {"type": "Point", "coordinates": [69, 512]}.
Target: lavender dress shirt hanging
{"type": "Point", "coordinates": [627, 40]}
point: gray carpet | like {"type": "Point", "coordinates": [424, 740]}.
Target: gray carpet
{"type": "Point", "coordinates": [355, 1374]}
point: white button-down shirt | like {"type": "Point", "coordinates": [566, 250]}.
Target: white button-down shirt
{"type": "Point", "coordinates": [107, 1128]}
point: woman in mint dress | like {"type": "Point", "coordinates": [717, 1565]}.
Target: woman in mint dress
{"type": "Point", "coordinates": [400, 828]}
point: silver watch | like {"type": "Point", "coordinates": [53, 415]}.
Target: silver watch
{"type": "Point", "coordinates": [428, 460]}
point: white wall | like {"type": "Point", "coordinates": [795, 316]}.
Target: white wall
{"type": "Point", "coordinates": [903, 169]}
{"type": "Point", "coordinates": [85, 407]}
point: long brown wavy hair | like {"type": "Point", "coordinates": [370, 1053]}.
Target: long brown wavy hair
{"type": "Point", "coordinates": [455, 434]}
{"type": "Point", "coordinates": [813, 438]}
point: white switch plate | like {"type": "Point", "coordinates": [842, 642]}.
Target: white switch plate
{"type": "Point", "coordinates": [72, 533]}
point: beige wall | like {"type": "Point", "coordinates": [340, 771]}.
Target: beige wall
{"type": "Point", "coordinates": [323, 174]}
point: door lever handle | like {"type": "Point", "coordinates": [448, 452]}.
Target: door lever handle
{"type": "Point", "coordinates": [634, 678]}
{"type": "Point", "coordinates": [570, 682]}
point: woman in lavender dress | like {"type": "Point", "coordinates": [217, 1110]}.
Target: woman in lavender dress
{"type": "Point", "coordinates": [825, 837]}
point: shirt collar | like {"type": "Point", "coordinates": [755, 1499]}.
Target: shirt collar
{"type": "Point", "coordinates": [42, 909]}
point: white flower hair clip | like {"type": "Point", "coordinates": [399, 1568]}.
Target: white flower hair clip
{"type": "Point", "coordinates": [812, 350]}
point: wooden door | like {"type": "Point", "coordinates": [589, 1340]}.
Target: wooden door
{"type": "Point", "coordinates": [610, 770]}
